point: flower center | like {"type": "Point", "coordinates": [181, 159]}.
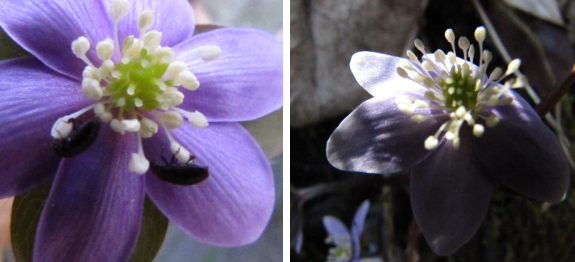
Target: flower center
{"type": "Point", "coordinates": [457, 87]}
{"type": "Point", "coordinates": [137, 91]}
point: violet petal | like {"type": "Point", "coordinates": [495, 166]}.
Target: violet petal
{"type": "Point", "coordinates": [95, 206]}
{"type": "Point", "coordinates": [234, 204]}
{"type": "Point", "coordinates": [357, 228]}
{"type": "Point", "coordinates": [377, 74]}
{"type": "Point", "coordinates": [32, 98]}
{"type": "Point", "coordinates": [337, 230]}
{"type": "Point", "coordinates": [450, 195]}
{"type": "Point", "coordinates": [173, 18]}
{"type": "Point", "coordinates": [378, 138]}
{"type": "Point", "coordinates": [524, 154]}
{"type": "Point", "coordinates": [244, 83]}
{"type": "Point", "coordinates": [47, 29]}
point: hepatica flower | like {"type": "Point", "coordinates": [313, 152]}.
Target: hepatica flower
{"type": "Point", "coordinates": [109, 88]}
{"type": "Point", "coordinates": [346, 243]}
{"type": "Point", "coordinates": [459, 131]}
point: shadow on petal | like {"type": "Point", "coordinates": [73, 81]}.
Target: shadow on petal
{"type": "Point", "coordinates": [378, 138]}
{"type": "Point", "coordinates": [450, 195]}
{"type": "Point", "coordinates": [523, 154]}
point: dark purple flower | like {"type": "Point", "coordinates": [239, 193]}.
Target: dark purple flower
{"type": "Point", "coordinates": [346, 241]}
{"type": "Point", "coordinates": [458, 131]}
{"type": "Point", "coordinates": [94, 209]}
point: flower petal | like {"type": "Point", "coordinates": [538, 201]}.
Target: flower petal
{"type": "Point", "coordinates": [47, 29]}
{"type": "Point", "coordinates": [357, 227]}
{"type": "Point", "coordinates": [32, 98]}
{"type": "Point", "coordinates": [377, 74]}
{"type": "Point", "coordinates": [234, 204]}
{"type": "Point", "coordinates": [174, 18]}
{"type": "Point", "coordinates": [244, 83]}
{"type": "Point", "coordinates": [95, 206]}
{"type": "Point", "coordinates": [522, 153]}
{"type": "Point", "coordinates": [450, 195]}
{"type": "Point", "coordinates": [378, 138]}
{"type": "Point", "coordinates": [337, 230]}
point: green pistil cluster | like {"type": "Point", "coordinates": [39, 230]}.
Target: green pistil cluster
{"type": "Point", "coordinates": [459, 89]}
{"type": "Point", "coordinates": [137, 84]}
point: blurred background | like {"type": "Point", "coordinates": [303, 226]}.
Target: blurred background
{"type": "Point", "coordinates": [323, 37]}
{"type": "Point", "coordinates": [260, 14]}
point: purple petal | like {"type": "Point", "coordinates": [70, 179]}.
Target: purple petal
{"type": "Point", "coordinates": [336, 229]}
{"type": "Point", "coordinates": [173, 18]}
{"type": "Point", "coordinates": [244, 83]}
{"type": "Point", "coordinates": [32, 98]}
{"type": "Point", "coordinates": [523, 154]}
{"type": "Point", "coordinates": [378, 138]}
{"type": "Point", "coordinates": [449, 195]}
{"type": "Point", "coordinates": [377, 74]}
{"type": "Point", "coordinates": [357, 227]}
{"type": "Point", "coordinates": [232, 206]}
{"type": "Point", "coordinates": [95, 206]}
{"type": "Point", "coordinates": [47, 29]}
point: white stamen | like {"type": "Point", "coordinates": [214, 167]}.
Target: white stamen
{"type": "Point", "coordinates": [61, 128]}
{"type": "Point", "coordinates": [456, 142]}
{"type": "Point", "coordinates": [145, 21]}
{"type": "Point", "coordinates": [138, 102]}
{"type": "Point", "coordinates": [152, 39]}
{"type": "Point", "coordinates": [182, 154]}
{"type": "Point", "coordinates": [105, 49]}
{"type": "Point", "coordinates": [460, 112]}
{"type": "Point", "coordinates": [131, 89]}
{"type": "Point", "coordinates": [121, 102]}
{"type": "Point", "coordinates": [91, 89]}
{"type": "Point", "coordinates": [431, 143]}
{"type": "Point", "coordinates": [480, 34]}
{"type": "Point", "coordinates": [401, 72]}
{"type": "Point", "coordinates": [419, 45]}
{"type": "Point", "coordinates": [118, 9]}
{"type": "Point", "coordinates": [492, 121]}
{"type": "Point", "coordinates": [174, 69]}
{"type": "Point", "coordinates": [478, 130]}
{"type": "Point", "coordinates": [138, 164]}
{"type": "Point", "coordinates": [148, 128]}
{"type": "Point", "coordinates": [170, 119]}
{"type": "Point", "coordinates": [419, 118]}
{"type": "Point", "coordinates": [197, 119]}
{"type": "Point", "coordinates": [207, 52]}
{"type": "Point", "coordinates": [132, 125]}
{"type": "Point", "coordinates": [450, 36]}
{"type": "Point", "coordinates": [135, 50]}
{"type": "Point", "coordinates": [513, 66]}
{"type": "Point", "coordinates": [188, 80]}
{"type": "Point", "coordinates": [106, 68]}
{"type": "Point", "coordinates": [80, 46]}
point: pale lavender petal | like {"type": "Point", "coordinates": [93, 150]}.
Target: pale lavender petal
{"type": "Point", "coordinates": [95, 206]}
{"type": "Point", "coordinates": [47, 29]}
{"type": "Point", "coordinates": [377, 74]}
{"type": "Point", "coordinates": [173, 18]}
{"type": "Point", "coordinates": [234, 204]}
{"type": "Point", "coordinates": [357, 227]}
{"type": "Point", "coordinates": [244, 83]}
{"type": "Point", "coordinates": [32, 98]}
{"type": "Point", "coordinates": [378, 138]}
{"type": "Point", "coordinates": [522, 153]}
{"type": "Point", "coordinates": [450, 195]}
{"type": "Point", "coordinates": [337, 230]}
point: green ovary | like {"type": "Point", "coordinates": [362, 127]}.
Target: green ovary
{"type": "Point", "coordinates": [459, 90]}
{"type": "Point", "coordinates": [145, 79]}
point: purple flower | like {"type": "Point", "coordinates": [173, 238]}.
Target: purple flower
{"type": "Point", "coordinates": [135, 67]}
{"type": "Point", "coordinates": [457, 130]}
{"type": "Point", "coordinates": [346, 243]}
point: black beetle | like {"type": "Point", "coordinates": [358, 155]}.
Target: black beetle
{"type": "Point", "coordinates": [183, 174]}
{"type": "Point", "coordinates": [79, 140]}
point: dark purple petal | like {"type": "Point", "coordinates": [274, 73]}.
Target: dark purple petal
{"type": "Point", "coordinates": [337, 230]}
{"type": "Point", "coordinates": [244, 83]}
{"type": "Point", "coordinates": [523, 154]}
{"type": "Point", "coordinates": [449, 195]}
{"type": "Point", "coordinates": [378, 138]}
{"type": "Point", "coordinates": [357, 228]}
{"type": "Point", "coordinates": [377, 74]}
{"type": "Point", "coordinates": [234, 204]}
{"type": "Point", "coordinates": [47, 29]}
{"type": "Point", "coordinates": [173, 18]}
{"type": "Point", "coordinates": [32, 98]}
{"type": "Point", "coordinates": [95, 206]}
